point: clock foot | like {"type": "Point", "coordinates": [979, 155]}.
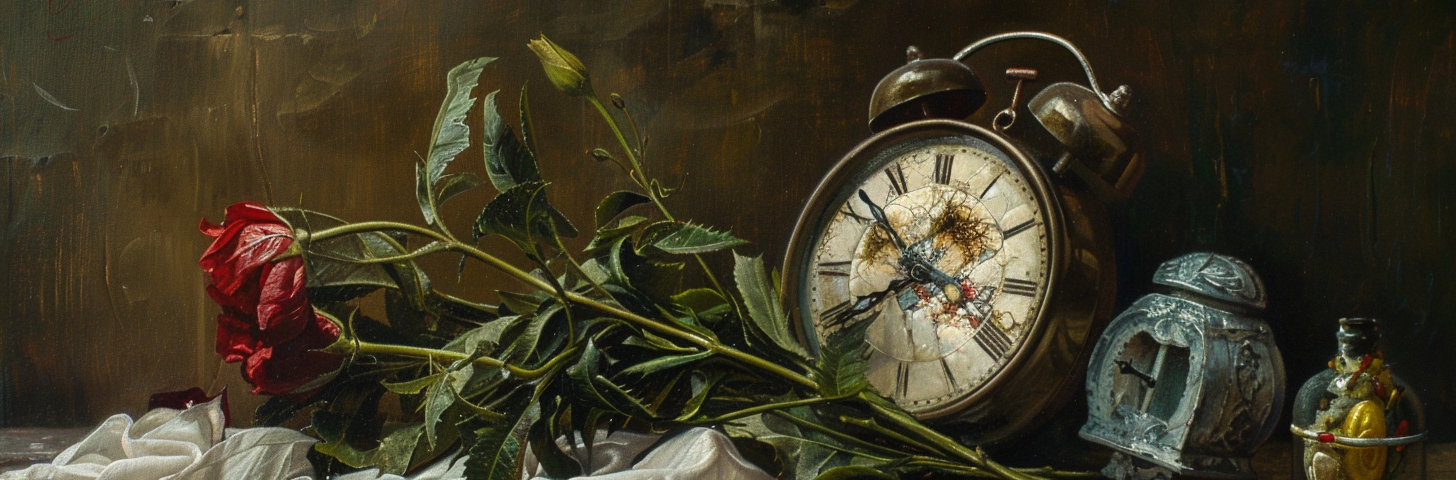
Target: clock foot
{"type": "Point", "coordinates": [1124, 467]}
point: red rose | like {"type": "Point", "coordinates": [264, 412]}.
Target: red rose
{"type": "Point", "coordinates": [266, 320]}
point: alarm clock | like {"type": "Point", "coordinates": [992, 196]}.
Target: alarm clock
{"type": "Point", "coordinates": [976, 272]}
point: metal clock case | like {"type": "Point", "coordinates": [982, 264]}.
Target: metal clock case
{"type": "Point", "coordinates": [977, 275]}
{"type": "Point", "coordinates": [1189, 381]}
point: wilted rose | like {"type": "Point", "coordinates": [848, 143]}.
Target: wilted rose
{"type": "Point", "coordinates": [563, 68]}
{"type": "Point", "coordinates": [266, 321]}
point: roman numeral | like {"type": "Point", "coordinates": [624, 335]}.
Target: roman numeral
{"type": "Point", "coordinates": [949, 377]}
{"type": "Point", "coordinates": [902, 380]}
{"type": "Point", "coordinates": [992, 339]}
{"type": "Point", "coordinates": [1016, 286]}
{"type": "Point", "coordinates": [834, 269]}
{"type": "Point", "coordinates": [943, 162]}
{"type": "Point", "coordinates": [897, 178]}
{"type": "Point", "coordinates": [989, 185]}
{"type": "Point", "coordinates": [1022, 227]}
{"type": "Point", "coordinates": [848, 211]}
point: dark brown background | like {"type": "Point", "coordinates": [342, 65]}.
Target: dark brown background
{"type": "Point", "coordinates": [1313, 139]}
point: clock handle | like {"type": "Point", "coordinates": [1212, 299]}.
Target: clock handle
{"type": "Point", "coordinates": [1115, 101]}
{"type": "Point", "coordinates": [1101, 146]}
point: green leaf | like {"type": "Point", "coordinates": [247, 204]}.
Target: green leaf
{"type": "Point", "coordinates": [496, 447]}
{"type": "Point", "coordinates": [702, 385]}
{"type": "Point", "coordinates": [405, 319]}
{"type": "Point", "coordinates": [556, 462]}
{"type": "Point", "coordinates": [854, 473]}
{"type": "Point", "coordinates": [608, 238]}
{"type": "Point", "coordinates": [522, 302]}
{"type": "Point", "coordinates": [486, 337]}
{"type": "Point", "coordinates": [336, 263]}
{"type": "Point", "coordinates": [412, 387]}
{"type": "Point", "coordinates": [684, 239]}
{"type": "Point", "coordinates": [655, 281]}
{"type": "Point", "coordinates": [804, 454]}
{"type": "Point", "coordinates": [664, 362]}
{"type": "Point", "coordinates": [450, 135]}
{"type": "Point", "coordinates": [351, 431]}
{"type": "Point", "coordinates": [507, 161]}
{"type": "Point", "coordinates": [699, 299]}
{"type": "Point", "coordinates": [423, 191]}
{"type": "Point", "coordinates": [622, 400]}
{"type": "Point", "coordinates": [840, 369]}
{"type": "Point", "coordinates": [763, 304]}
{"type": "Point", "coordinates": [391, 456]}
{"type": "Point", "coordinates": [522, 215]}
{"type": "Point", "coordinates": [441, 395]}
{"type": "Point", "coordinates": [528, 134]}
{"type": "Point", "coordinates": [278, 410]}
{"type": "Point", "coordinates": [455, 184]}
{"type": "Point", "coordinates": [616, 203]}
{"type": "Point", "coordinates": [524, 343]}
{"type": "Point", "coordinates": [592, 390]}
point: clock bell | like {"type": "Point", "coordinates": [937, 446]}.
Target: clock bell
{"type": "Point", "coordinates": [1188, 381]}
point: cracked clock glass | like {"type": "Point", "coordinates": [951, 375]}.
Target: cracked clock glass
{"type": "Point", "coordinates": [942, 247]}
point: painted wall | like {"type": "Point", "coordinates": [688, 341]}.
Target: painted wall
{"type": "Point", "coordinates": [1313, 139]}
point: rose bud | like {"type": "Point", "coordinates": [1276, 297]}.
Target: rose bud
{"type": "Point", "coordinates": [563, 68]}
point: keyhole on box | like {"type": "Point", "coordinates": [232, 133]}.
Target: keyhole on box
{"type": "Point", "coordinates": [1152, 376]}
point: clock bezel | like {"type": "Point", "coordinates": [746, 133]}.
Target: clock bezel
{"type": "Point", "coordinates": [867, 159]}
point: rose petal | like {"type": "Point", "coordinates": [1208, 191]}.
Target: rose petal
{"type": "Point", "coordinates": [207, 228]}
{"type": "Point", "coordinates": [235, 340]}
{"type": "Point", "coordinates": [185, 399]}
{"type": "Point", "coordinates": [244, 300]}
{"type": "Point", "coordinates": [282, 368]}
{"type": "Point", "coordinates": [252, 247]}
{"type": "Point", "coordinates": [283, 309]}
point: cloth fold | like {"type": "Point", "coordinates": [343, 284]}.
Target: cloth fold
{"type": "Point", "coordinates": [693, 454]}
{"type": "Point", "coordinates": [167, 444]}
{"type": "Point", "coordinates": [193, 444]}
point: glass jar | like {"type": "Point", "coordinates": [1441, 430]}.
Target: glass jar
{"type": "Point", "coordinates": [1357, 420]}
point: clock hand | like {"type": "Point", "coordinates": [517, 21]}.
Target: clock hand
{"type": "Point", "coordinates": [1124, 366]}
{"type": "Point", "coordinates": [865, 303]}
{"type": "Point", "coordinates": [920, 269]}
{"type": "Point", "coordinates": [882, 220]}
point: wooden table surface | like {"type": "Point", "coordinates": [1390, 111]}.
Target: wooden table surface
{"type": "Point", "coordinates": [23, 446]}
{"type": "Point", "coordinates": [20, 447]}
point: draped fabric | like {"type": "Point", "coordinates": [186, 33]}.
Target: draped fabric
{"type": "Point", "coordinates": [167, 444]}
{"type": "Point", "coordinates": [693, 454]}
{"type": "Point", "coordinates": [192, 444]}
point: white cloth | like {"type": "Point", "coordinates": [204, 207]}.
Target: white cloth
{"type": "Point", "coordinates": [167, 444]}
{"type": "Point", "coordinates": [693, 454]}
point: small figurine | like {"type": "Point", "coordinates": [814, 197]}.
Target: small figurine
{"type": "Point", "coordinates": [1354, 421]}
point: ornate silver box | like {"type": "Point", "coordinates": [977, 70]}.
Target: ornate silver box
{"type": "Point", "coordinates": [1187, 381]}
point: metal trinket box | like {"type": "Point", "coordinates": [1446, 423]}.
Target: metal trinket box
{"type": "Point", "coordinates": [1187, 382]}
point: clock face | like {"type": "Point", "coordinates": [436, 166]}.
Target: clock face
{"type": "Point", "coordinates": [941, 245]}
